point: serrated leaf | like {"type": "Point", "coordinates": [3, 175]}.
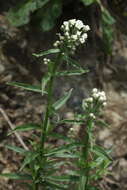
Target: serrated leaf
{"type": "Point", "coordinates": [26, 86]}
{"type": "Point", "coordinates": [50, 51]}
{"type": "Point", "coordinates": [58, 104]}
{"type": "Point", "coordinates": [26, 127]}
{"type": "Point", "coordinates": [16, 149]}
{"type": "Point", "coordinates": [16, 176]}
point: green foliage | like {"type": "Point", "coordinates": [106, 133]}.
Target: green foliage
{"type": "Point", "coordinates": [50, 51]}
{"type": "Point", "coordinates": [26, 86]}
{"type": "Point", "coordinates": [20, 15]}
{"type": "Point", "coordinates": [59, 103]}
{"type": "Point", "coordinates": [88, 2]}
{"type": "Point", "coordinates": [84, 160]}
{"type": "Point", "coordinates": [107, 22]}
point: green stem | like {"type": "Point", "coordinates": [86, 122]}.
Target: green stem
{"type": "Point", "coordinates": [35, 187]}
{"type": "Point", "coordinates": [49, 103]}
{"type": "Point", "coordinates": [85, 158]}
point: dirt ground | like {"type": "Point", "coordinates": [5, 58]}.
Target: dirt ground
{"type": "Point", "coordinates": [17, 64]}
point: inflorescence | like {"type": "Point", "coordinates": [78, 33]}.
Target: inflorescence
{"type": "Point", "coordinates": [91, 106]}
{"type": "Point", "coordinates": [74, 34]}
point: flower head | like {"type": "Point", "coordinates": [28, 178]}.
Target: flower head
{"type": "Point", "coordinates": [74, 34]}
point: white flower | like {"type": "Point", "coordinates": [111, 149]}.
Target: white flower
{"type": "Point", "coordinates": [79, 24]}
{"type": "Point", "coordinates": [89, 100]}
{"type": "Point", "coordinates": [46, 61]}
{"type": "Point", "coordinates": [72, 21]}
{"type": "Point", "coordinates": [86, 28]}
{"type": "Point", "coordinates": [104, 104]}
{"type": "Point", "coordinates": [95, 90]}
{"type": "Point", "coordinates": [95, 95]}
{"type": "Point", "coordinates": [92, 116]}
{"type": "Point", "coordinates": [74, 37]}
{"type": "Point", "coordinates": [78, 33]}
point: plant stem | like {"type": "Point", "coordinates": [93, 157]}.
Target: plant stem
{"type": "Point", "coordinates": [85, 157]}
{"type": "Point", "coordinates": [35, 187]}
{"type": "Point", "coordinates": [49, 103]}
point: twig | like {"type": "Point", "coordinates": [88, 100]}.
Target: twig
{"type": "Point", "coordinates": [13, 127]}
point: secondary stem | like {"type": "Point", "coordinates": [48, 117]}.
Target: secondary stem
{"type": "Point", "coordinates": [85, 154]}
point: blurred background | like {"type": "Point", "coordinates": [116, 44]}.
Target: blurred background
{"type": "Point", "coordinates": [27, 27]}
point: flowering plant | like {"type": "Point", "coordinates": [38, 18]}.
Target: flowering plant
{"type": "Point", "coordinates": [84, 162]}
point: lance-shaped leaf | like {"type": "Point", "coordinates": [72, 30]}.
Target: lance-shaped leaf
{"type": "Point", "coordinates": [54, 185]}
{"type": "Point", "coordinates": [50, 51]}
{"type": "Point", "coordinates": [17, 149]}
{"type": "Point", "coordinates": [101, 152]}
{"type": "Point", "coordinates": [45, 80]}
{"type": "Point", "coordinates": [72, 72]}
{"type": "Point", "coordinates": [63, 178]}
{"type": "Point", "coordinates": [27, 86]}
{"type": "Point", "coordinates": [26, 127]}
{"type": "Point", "coordinates": [58, 104]}
{"type": "Point", "coordinates": [17, 176]}
{"type": "Point", "coordinates": [30, 156]}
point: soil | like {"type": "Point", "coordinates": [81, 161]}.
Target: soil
{"type": "Point", "coordinates": [17, 64]}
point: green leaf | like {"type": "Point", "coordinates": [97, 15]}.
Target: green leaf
{"type": "Point", "coordinates": [106, 17]}
{"type": "Point", "coordinates": [26, 127]}
{"type": "Point", "coordinates": [72, 72]}
{"type": "Point", "coordinates": [50, 51]}
{"type": "Point", "coordinates": [16, 149]}
{"type": "Point", "coordinates": [88, 2]}
{"type": "Point", "coordinates": [58, 104]}
{"type": "Point", "coordinates": [45, 80]}
{"type": "Point", "coordinates": [26, 86]}
{"type": "Point", "coordinates": [72, 62]}
{"type": "Point", "coordinates": [16, 176]}
{"type": "Point", "coordinates": [100, 151]}
{"type": "Point", "coordinates": [30, 156]}
{"type": "Point", "coordinates": [82, 182]}
{"type": "Point", "coordinates": [20, 15]}
{"type": "Point", "coordinates": [49, 20]}
{"type": "Point", "coordinates": [64, 178]}
{"type": "Point", "coordinates": [56, 186]}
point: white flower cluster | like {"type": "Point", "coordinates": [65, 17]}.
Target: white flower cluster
{"type": "Point", "coordinates": [92, 116]}
{"type": "Point", "coordinates": [96, 95]}
{"type": "Point", "coordinates": [74, 34]}
{"type": "Point", "coordinates": [46, 61]}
